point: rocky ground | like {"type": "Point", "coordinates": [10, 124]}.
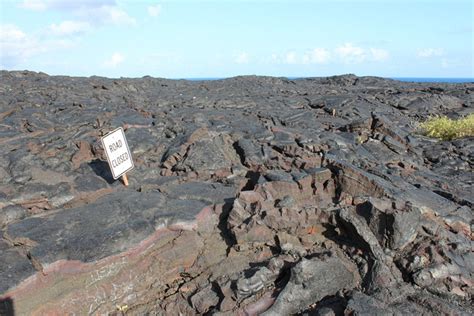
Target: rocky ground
{"type": "Point", "coordinates": [249, 195]}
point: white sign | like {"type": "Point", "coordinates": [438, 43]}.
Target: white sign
{"type": "Point", "coordinates": [118, 153]}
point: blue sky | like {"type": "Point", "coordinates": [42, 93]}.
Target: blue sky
{"type": "Point", "coordinates": [196, 39]}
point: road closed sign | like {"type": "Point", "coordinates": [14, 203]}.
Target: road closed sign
{"type": "Point", "coordinates": [118, 153]}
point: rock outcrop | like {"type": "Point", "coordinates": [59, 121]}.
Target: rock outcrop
{"type": "Point", "coordinates": [250, 195]}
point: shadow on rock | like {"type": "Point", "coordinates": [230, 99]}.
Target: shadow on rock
{"type": "Point", "coordinates": [222, 226]}
{"type": "Point", "coordinates": [6, 307]}
{"type": "Point", "coordinates": [102, 169]}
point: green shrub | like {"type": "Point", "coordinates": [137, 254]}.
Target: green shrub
{"type": "Point", "coordinates": [448, 129]}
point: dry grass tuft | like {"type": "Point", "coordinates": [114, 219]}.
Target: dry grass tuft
{"type": "Point", "coordinates": [448, 129]}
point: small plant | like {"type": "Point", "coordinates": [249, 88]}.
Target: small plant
{"type": "Point", "coordinates": [122, 308]}
{"type": "Point", "coordinates": [448, 129]}
{"type": "Point", "coordinates": [360, 139]}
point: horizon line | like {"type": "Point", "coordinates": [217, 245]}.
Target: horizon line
{"type": "Point", "coordinates": [401, 78]}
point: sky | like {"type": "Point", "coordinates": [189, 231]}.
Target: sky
{"type": "Point", "coordinates": [215, 39]}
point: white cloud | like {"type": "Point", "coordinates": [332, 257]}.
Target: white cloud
{"type": "Point", "coordinates": [95, 12]}
{"type": "Point", "coordinates": [154, 10]}
{"type": "Point", "coordinates": [35, 5]}
{"type": "Point", "coordinates": [274, 58]}
{"type": "Point", "coordinates": [115, 15]}
{"type": "Point", "coordinates": [317, 56]}
{"type": "Point", "coordinates": [114, 60]}
{"type": "Point", "coordinates": [70, 27]}
{"type": "Point", "coordinates": [346, 53]}
{"type": "Point", "coordinates": [17, 46]}
{"type": "Point", "coordinates": [351, 54]}
{"type": "Point", "coordinates": [65, 5]}
{"type": "Point", "coordinates": [430, 52]}
{"type": "Point", "coordinates": [379, 54]}
{"type": "Point", "coordinates": [447, 63]}
{"type": "Point", "coordinates": [291, 57]}
{"type": "Point", "coordinates": [10, 33]}
{"type": "Point", "coordinates": [242, 58]}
